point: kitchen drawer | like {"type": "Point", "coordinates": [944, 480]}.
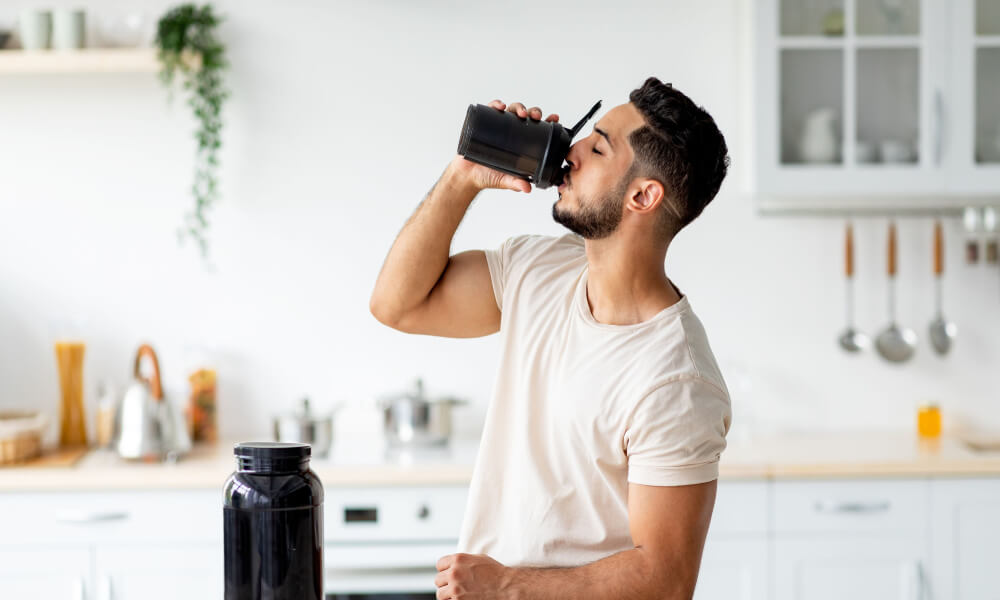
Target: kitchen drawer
{"type": "Point", "coordinates": [740, 508]}
{"type": "Point", "coordinates": [851, 506]}
{"type": "Point", "coordinates": [93, 517]}
{"type": "Point", "coordinates": [373, 514]}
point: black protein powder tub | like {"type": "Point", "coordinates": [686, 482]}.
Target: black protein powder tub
{"type": "Point", "coordinates": [273, 524]}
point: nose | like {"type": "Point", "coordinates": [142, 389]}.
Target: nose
{"type": "Point", "coordinates": [572, 157]}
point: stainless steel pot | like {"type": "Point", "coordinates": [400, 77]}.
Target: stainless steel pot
{"type": "Point", "coordinates": [413, 419]}
{"type": "Point", "coordinates": [307, 428]}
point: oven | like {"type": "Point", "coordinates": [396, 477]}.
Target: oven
{"type": "Point", "coordinates": [382, 543]}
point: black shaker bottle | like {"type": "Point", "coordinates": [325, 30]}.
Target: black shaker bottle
{"type": "Point", "coordinates": [273, 524]}
{"type": "Point", "coordinates": [525, 148]}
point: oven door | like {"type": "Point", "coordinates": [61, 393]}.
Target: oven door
{"type": "Point", "coordinates": [383, 571]}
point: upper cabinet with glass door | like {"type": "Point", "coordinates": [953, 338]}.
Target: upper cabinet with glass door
{"type": "Point", "coordinates": [975, 75]}
{"type": "Point", "coordinates": [856, 104]}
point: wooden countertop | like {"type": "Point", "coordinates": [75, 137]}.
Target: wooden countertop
{"type": "Point", "coordinates": [760, 457]}
{"type": "Point", "coordinates": [855, 454]}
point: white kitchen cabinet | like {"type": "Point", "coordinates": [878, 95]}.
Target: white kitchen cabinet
{"type": "Point", "coordinates": [859, 567]}
{"type": "Point", "coordinates": [112, 546]}
{"type": "Point", "coordinates": [156, 571]}
{"type": "Point", "coordinates": [876, 104]}
{"type": "Point", "coordinates": [965, 529]}
{"type": "Point", "coordinates": [851, 539]}
{"type": "Point", "coordinates": [733, 569]}
{"type": "Point", "coordinates": [734, 564]}
{"type": "Point", "coordinates": [975, 78]}
{"type": "Point", "coordinates": [805, 539]}
{"type": "Point", "coordinates": [56, 572]}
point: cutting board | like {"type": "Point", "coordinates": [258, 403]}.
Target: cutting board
{"type": "Point", "coordinates": [58, 457]}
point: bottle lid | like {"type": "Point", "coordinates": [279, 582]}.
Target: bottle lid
{"type": "Point", "coordinates": [272, 450]}
{"type": "Point", "coordinates": [265, 457]}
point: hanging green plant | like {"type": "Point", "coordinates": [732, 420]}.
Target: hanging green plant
{"type": "Point", "coordinates": [187, 42]}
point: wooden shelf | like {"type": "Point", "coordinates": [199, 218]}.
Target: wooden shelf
{"type": "Point", "coordinates": [90, 60]}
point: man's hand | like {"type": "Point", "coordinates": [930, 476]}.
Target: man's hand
{"type": "Point", "coordinates": [481, 176]}
{"type": "Point", "coordinates": [470, 576]}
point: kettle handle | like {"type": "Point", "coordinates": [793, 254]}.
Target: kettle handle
{"type": "Point", "coordinates": [147, 350]}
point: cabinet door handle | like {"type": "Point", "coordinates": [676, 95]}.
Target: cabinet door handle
{"type": "Point", "coordinates": [108, 592]}
{"type": "Point", "coordinates": [81, 516]}
{"type": "Point", "coordinates": [939, 126]}
{"type": "Point", "coordinates": [923, 591]}
{"type": "Point", "coordinates": [914, 582]}
{"type": "Point", "coordinates": [80, 589]}
{"type": "Point", "coordinates": [833, 506]}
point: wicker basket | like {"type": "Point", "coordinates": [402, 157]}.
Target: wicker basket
{"type": "Point", "coordinates": [20, 436]}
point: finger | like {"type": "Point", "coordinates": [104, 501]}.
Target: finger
{"type": "Point", "coordinates": [443, 593]}
{"type": "Point", "coordinates": [553, 118]}
{"type": "Point", "coordinates": [441, 579]}
{"type": "Point", "coordinates": [535, 113]}
{"type": "Point", "coordinates": [445, 562]}
{"type": "Point", "coordinates": [497, 104]}
{"type": "Point", "coordinates": [518, 109]}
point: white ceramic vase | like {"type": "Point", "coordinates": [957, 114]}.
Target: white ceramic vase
{"type": "Point", "coordinates": [819, 137]}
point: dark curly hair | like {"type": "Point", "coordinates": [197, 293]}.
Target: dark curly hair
{"type": "Point", "coordinates": [681, 147]}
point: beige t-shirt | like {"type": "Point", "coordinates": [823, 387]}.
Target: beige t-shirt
{"type": "Point", "coordinates": [580, 409]}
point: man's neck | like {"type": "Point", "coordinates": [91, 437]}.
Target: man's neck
{"type": "Point", "coordinates": [626, 283]}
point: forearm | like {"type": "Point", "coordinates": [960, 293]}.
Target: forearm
{"type": "Point", "coordinates": [628, 574]}
{"type": "Point", "coordinates": [420, 253]}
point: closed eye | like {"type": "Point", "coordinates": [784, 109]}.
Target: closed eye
{"type": "Point", "coordinates": [596, 151]}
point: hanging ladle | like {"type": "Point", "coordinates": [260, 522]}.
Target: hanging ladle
{"type": "Point", "coordinates": [851, 339]}
{"type": "Point", "coordinates": [942, 332]}
{"type": "Point", "coordinates": [895, 343]}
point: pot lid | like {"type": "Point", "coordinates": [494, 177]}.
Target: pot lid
{"type": "Point", "coordinates": [417, 395]}
{"type": "Point", "coordinates": [305, 412]}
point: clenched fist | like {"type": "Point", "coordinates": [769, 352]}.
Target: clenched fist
{"type": "Point", "coordinates": [471, 577]}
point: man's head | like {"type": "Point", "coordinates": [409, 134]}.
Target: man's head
{"type": "Point", "coordinates": [658, 160]}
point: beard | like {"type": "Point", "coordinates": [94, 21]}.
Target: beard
{"type": "Point", "coordinates": [594, 220]}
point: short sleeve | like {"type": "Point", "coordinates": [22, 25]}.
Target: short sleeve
{"type": "Point", "coordinates": [677, 434]}
{"type": "Point", "coordinates": [504, 260]}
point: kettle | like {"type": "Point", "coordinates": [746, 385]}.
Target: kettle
{"type": "Point", "coordinates": [146, 426]}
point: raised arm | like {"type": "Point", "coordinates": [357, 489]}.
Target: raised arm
{"type": "Point", "coordinates": [421, 288]}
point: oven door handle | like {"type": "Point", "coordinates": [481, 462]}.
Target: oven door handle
{"type": "Point", "coordinates": [367, 571]}
{"type": "Point", "coordinates": [380, 580]}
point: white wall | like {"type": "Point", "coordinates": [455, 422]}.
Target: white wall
{"type": "Point", "coordinates": [342, 116]}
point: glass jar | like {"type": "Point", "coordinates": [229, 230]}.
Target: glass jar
{"type": "Point", "coordinates": [929, 420]}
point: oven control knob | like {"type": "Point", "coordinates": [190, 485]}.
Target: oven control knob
{"type": "Point", "coordinates": [424, 512]}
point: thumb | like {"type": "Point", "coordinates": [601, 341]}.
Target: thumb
{"type": "Point", "coordinates": [509, 182]}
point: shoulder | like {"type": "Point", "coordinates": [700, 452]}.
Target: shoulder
{"type": "Point", "coordinates": [679, 351]}
{"type": "Point", "coordinates": [543, 246]}
{"type": "Point", "coordinates": [525, 252]}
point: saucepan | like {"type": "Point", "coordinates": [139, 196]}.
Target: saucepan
{"type": "Point", "coordinates": [306, 427]}
{"type": "Point", "coordinates": [413, 419]}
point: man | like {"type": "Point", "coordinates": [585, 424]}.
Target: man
{"type": "Point", "coordinates": [596, 474]}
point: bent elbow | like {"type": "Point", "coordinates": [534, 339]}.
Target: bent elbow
{"type": "Point", "coordinates": [381, 314]}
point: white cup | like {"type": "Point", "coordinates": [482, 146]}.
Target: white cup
{"type": "Point", "coordinates": [897, 151]}
{"type": "Point", "coordinates": [35, 27]}
{"type": "Point", "coordinates": [68, 29]}
{"type": "Point", "coordinates": [865, 152]}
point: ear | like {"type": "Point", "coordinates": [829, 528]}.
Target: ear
{"type": "Point", "coordinates": [646, 197]}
